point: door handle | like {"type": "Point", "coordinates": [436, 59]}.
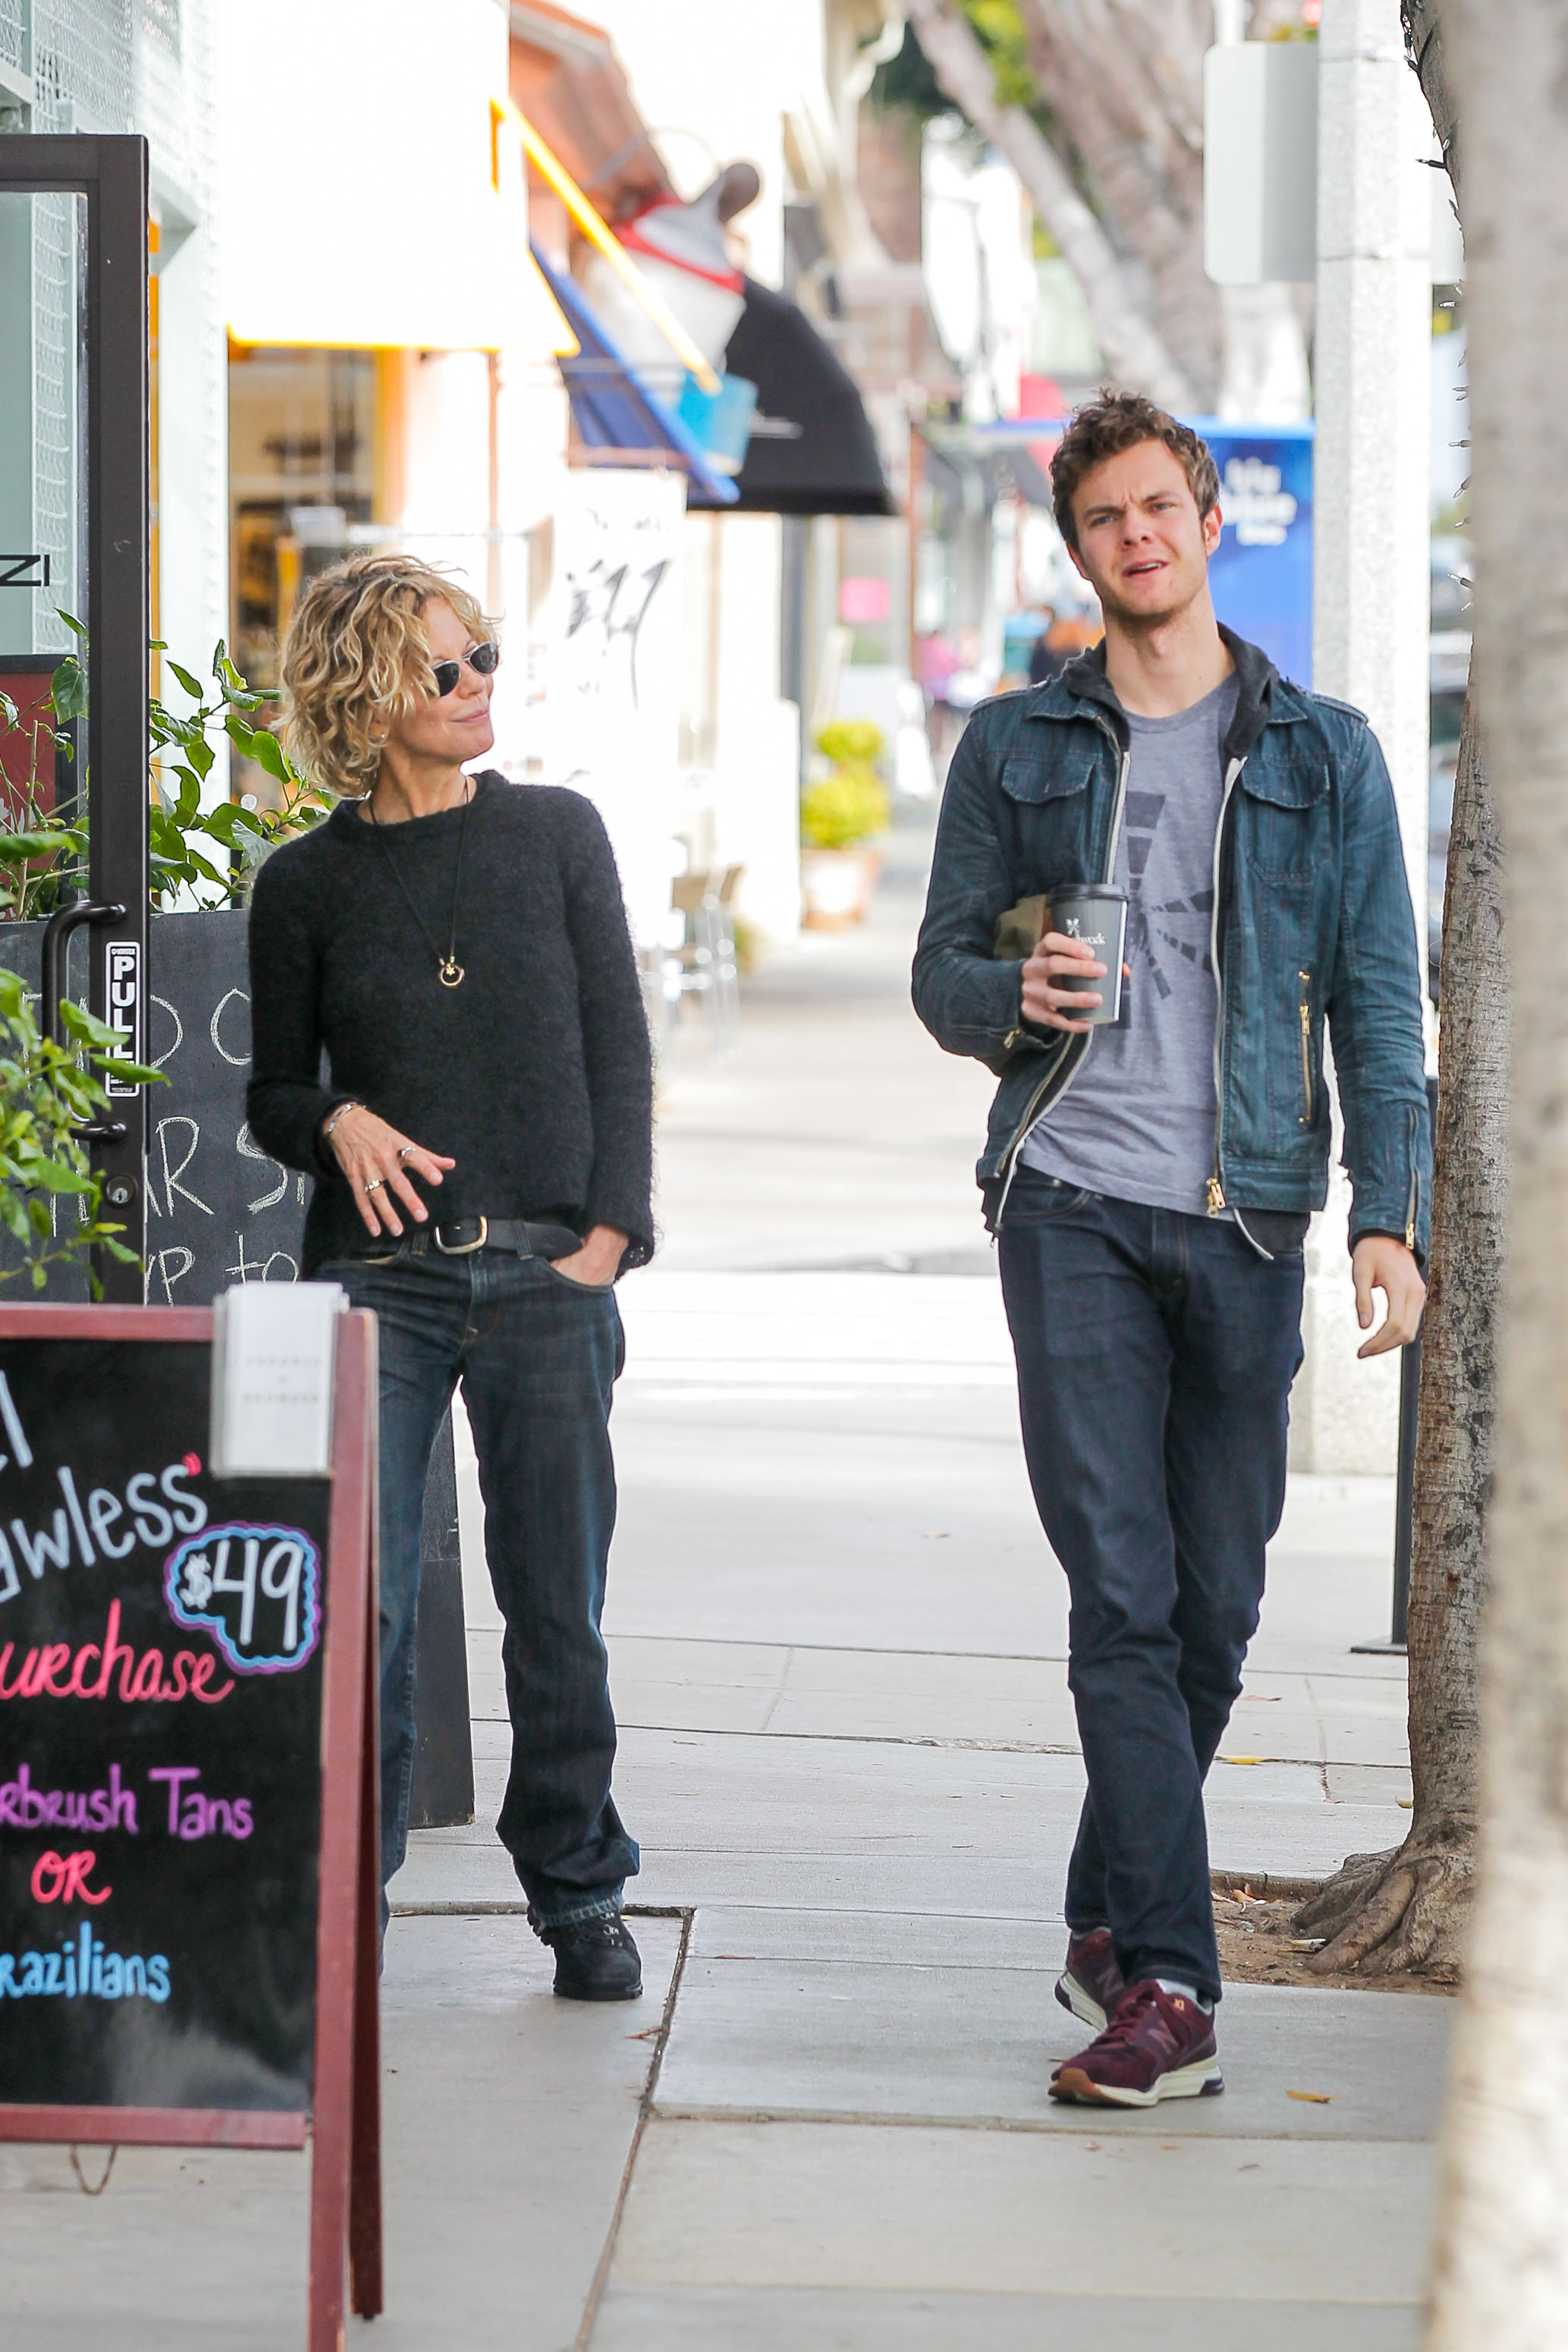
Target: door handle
{"type": "Point", "coordinates": [56, 936]}
{"type": "Point", "coordinates": [57, 933]}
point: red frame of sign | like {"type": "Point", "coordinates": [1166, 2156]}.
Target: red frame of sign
{"type": "Point", "coordinates": [344, 2123]}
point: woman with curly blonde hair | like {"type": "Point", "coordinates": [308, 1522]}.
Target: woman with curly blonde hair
{"type": "Point", "coordinates": [449, 1038]}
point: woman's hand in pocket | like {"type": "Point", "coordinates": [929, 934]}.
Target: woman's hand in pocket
{"type": "Point", "coordinates": [596, 1265]}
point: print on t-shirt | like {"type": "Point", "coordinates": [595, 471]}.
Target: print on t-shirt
{"type": "Point", "coordinates": [1148, 925]}
{"type": "Point", "coordinates": [1136, 1121]}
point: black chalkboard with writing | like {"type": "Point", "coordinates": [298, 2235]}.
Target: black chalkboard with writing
{"type": "Point", "coordinates": [161, 1680]}
{"type": "Point", "coordinates": [218, 1210]}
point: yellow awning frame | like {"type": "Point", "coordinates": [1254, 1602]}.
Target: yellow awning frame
{"type": "Point", "coordinates": [598, 233]}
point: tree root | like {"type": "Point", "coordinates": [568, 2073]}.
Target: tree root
{"type": "Point", "coordinates": [1384, 1914]}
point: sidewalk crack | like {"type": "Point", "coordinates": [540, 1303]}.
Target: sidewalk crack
{"type": "Point", "coordinates": [645, 2108]}
{"type": "Point", "coordinates": [773, 1703]}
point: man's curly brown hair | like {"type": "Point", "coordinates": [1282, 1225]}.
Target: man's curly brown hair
{"type": "Point", "coordinates": [1107, 424]}
{"type": "Point", "coordinates": [355, 656]}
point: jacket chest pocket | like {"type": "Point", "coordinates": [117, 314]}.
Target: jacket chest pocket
{"type": "Point", "coordinates": [1285, 820]}
{"type": "Point", "coordinates": [1051, 807]}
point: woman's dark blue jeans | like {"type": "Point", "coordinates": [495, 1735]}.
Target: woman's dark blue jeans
{"type": "Point", "coordinates": [538, 1355]}
{"type": "Point", "coordinates": [1155, 1354]}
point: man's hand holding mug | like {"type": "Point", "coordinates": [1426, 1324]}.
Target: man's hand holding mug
{"type": "Point", "coordinates": [1050, 1004]}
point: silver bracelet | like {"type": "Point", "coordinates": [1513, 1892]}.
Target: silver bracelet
{"type": "Point", "coordinates": [342, 1111]}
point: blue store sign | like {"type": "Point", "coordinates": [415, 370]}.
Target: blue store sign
{"type": "Point", "coordinates": [1261, 572]}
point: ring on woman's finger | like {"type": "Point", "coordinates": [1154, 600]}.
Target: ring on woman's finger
{"type": "Point", "coordinates": [377, 1185]}
{"type": "Point", "coordinates": [407, 1152]}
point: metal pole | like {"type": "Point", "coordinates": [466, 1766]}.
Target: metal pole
{"type": "Point", "coordinates": [1405, 1490]}
{"type": "Point", "coordinates": [117, 632]}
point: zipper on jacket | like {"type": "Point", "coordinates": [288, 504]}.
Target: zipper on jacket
{"type": "Point", "coordinates": [1032, 1112]}
{"type": "Point", "coordinates": [1412, 1201]}
{"type": "Point", "coordinates": [1306, 1118]}
{"type": "Point", "coordinates": [1215, 1186]}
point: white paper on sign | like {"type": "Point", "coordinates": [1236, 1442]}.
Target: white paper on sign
{"type": "Point", "coordinates": [273, 1347]}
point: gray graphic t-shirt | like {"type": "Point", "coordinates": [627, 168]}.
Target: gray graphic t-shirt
{"type": "Point", "coordinates": [1137, 1121]}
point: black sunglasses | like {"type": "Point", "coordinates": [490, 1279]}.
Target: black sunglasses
{"type": "Point", "coordinates": [485, 658]}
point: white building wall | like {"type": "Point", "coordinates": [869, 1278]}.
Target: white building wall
{"type": "Point", "coordinates": [176, 105]}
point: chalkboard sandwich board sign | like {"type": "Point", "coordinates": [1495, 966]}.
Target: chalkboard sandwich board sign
{"type": "Point", "coordinates": [189, 1866]}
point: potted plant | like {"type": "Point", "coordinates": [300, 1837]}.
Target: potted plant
{"type": "Point", "coordinates": [840, 813]}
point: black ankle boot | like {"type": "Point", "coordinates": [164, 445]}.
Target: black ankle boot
{"type": "Point", "coordinates": [595, 1959]}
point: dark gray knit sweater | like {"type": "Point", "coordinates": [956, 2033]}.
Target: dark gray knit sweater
{"type": "Point", "coordinates": [534, 1075]}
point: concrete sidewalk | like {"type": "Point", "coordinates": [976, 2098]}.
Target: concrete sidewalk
{"type": "Point", "coordinates": [838, 1648]}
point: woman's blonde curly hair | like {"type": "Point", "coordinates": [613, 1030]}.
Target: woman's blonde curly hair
{"type": "Point", "coordinates": [355, 656]}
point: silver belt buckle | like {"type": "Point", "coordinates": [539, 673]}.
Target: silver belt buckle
{"type": "Point", "coordinates": [465, 1249]}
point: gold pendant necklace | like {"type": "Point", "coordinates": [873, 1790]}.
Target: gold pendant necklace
{"type": "Point", "coordinates": [448, 970]}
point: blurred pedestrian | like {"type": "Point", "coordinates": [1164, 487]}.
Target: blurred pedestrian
{"type": "Point", "coordinates": [456, 948]}
{"type": "Point", "coordinates": [1044, 662]}
{"type": "Point", "coordinates": [1151, 1183]}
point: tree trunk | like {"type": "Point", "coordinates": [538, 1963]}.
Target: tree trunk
{"type": "Point", "coordinates": [1408, 1909]}
{"type": "Point", "coordinates": [1501, 2279]}
{"type": "Point", "coordinates": [1133, 350]}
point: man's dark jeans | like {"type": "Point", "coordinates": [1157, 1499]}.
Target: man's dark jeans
{"type": "Point", "coordinates": [538, 1355]}
{"type": "Point", "coordinates": [1155, 1354]}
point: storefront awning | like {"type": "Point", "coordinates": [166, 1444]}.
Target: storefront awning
{"type": "Point", "coordinates": [813, 450]}
{"type": "Point", "coordinates": [612, 408]}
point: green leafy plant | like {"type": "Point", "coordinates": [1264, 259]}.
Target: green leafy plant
{"type": "Point", "coordinates": [212, 852]}
{"type": "Point", "coordinates": [849, 805]}
{"type": "Point", "coordinates": [49, 1198]}
{"type": "Point", "coordinates": [184, 834]}
{"type": "Point", "coordinates": [41, 854]}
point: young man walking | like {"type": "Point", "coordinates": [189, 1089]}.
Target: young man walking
{"type": "Point", "coordinates": [1150, 1180]}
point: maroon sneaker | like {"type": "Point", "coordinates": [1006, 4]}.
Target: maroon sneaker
{"type": "Point", "coordinates": [1159, 2045]}
{"type": "Point", "coordinates": [1090, 1984]}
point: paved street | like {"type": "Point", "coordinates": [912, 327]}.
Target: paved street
{"type": "Point", "coordinates": [838, 1647]}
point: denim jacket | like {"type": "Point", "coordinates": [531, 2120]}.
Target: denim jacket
{"type": "Point", "coordinates": [1312, 923]}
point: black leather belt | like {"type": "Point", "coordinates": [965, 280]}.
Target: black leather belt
{"type": "Point", "coordinates": [461, 1237]}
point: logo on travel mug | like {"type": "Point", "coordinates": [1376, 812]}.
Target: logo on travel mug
{"type": "Point", "coordinates": [1097, 915]}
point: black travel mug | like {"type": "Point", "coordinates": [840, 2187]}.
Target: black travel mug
{"type": "Point", "coordinates": [1094, 913]}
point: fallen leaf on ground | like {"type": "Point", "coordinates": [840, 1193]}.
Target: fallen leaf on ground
{"type": "Point", "coordinates": [1405, 1804]}
{"type": "Point", "coordinates": [1313, 2098]}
